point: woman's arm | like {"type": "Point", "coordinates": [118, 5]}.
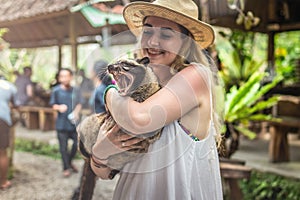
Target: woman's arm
{"type": "Point", "coordinates": [100, 169]}
{"type": "Point", "coordinates": [185, 91]}
{"type": "Point", "coordinates": [110, 142]}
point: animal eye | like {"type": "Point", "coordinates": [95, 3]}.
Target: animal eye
{"type": "Point", "coordinates": [126, 68]}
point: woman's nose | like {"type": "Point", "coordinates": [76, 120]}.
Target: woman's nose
{"type": "Point", "coordinates": [154, 40]}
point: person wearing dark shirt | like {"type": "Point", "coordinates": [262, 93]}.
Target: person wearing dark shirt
{"type": "Point", "coordinates": [67, 101]}
{"type": "Point", "coordinates": [24, 87]}
{"type": "Point", "coordinates": [102, 80]}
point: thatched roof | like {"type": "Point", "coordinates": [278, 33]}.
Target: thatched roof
{"type": "Point", "coordinates": [21, 9]}
{"type": "Point", "coordinates": [35, 23]}
{"type": "Point", "coordinates": [38, 23]}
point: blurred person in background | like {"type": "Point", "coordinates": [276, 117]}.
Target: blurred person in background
{"type": "Point", "coordinates": [7, 93]}
{"type": "Point", "coordinates": [25, 91]}
{"type": "Point", "coordinates": [101, 80]}
{"type": "Point", "coordinates": [25, 87]}
{"type": "Point", "coordinates": [67, 101]}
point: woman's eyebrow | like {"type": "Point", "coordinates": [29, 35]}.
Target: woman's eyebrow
{"type": "Point", "coordinates": [164, 28]}
{"type": "Point", "coordinates": [149, 25]}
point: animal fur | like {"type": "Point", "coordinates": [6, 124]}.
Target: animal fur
{"type": "Point", "coordinates": [136, 80]}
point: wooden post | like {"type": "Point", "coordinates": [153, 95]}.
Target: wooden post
{"type": "Point", "coordinates": [271, 50]}
{"type": "Point", "coordinates": [106, 35]}
{"type": "Point", "coordinates": [59, 56]}
{"type": "Point", "coordinates": [73, 41]}
{"type": "Point", "coordinates": [278, 146]}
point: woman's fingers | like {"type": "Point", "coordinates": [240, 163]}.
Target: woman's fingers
{"type": "Point", "coordinates": [131, 142]}
{"type": "Point", "coordinates": [122, 141]}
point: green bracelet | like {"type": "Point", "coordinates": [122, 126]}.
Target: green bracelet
{"type": "Point", "coordinates": [106, 89]}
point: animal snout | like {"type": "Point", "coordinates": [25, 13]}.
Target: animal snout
{"type": "Point", "coordinates": [110, 67]}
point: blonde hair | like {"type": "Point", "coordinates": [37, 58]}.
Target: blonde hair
{"type": "Point", "coordinates": [191, 52]}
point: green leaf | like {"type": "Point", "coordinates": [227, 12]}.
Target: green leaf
{"type": "Point", "coordinates": [245, 131]}
{"type": "Point", "coordinates": [260, 117]}
{"type": "Point", "coordinates": [259, 106]}
{"type": "Point", "coordinates": [243, 91]}
{"type": "Point", "coordinates": [263, 90]}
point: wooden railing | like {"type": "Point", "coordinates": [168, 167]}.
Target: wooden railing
{"type": "Point", "coordinates": [288, 110]}
{"type": "Point", "coordinates": [42, 118]}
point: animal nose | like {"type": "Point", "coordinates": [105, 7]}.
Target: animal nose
{"type": "Point", "coordinates": [110, 68]}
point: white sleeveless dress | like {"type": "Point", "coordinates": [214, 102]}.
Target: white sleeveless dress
{"type": "Point", "coordinates": [175, 167]}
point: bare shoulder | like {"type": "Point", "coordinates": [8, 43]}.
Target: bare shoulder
{"type": "Point", "coordinates": [197, 75]}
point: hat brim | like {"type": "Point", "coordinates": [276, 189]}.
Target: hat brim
{"type": "Point", "coordinates": [135, 12]}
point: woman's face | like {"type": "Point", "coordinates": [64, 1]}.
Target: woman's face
{"type": "Point", "coordinates": [161, 40]}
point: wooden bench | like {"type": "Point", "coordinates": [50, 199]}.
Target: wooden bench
{"type": "Point", "coordinates": [288, 110]}
{"type": "Point", "coordinates": [232, 171]}
{"type": "Point", "coordinates": [42, 118]}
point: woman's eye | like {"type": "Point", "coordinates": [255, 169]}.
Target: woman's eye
{"type": "Point", "coordinates": [147, 32]}
{"type": "Point", "coordinates": [165, 36]}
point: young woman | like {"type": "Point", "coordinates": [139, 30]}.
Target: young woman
{"type": "Point", "coordinates": [183, 163]}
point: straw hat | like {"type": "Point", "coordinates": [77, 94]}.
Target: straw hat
{"type": "Point", "coordinates": [183, 12]}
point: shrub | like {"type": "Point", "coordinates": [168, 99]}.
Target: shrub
{"type": "Point", "coordinates": [268, 186]}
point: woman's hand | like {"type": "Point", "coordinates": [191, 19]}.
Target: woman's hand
{"type": "Point", "coordinates": [110, 142]}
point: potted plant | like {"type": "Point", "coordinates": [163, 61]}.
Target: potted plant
{"type": "Point", "coordinates": [245, 104]}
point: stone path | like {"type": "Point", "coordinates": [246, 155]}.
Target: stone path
{"type": "Point", "coordinates": [40, 177]}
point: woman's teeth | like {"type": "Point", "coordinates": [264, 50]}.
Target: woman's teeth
{"type": "Point", "coordinates": [155, 51]}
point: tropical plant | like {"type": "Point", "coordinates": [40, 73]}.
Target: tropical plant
{"type": "Point", "coordinates": [246, 104]}
{"type": "Point", "coordinates": [241, 54]}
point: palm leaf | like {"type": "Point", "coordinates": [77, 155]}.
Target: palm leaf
{"type": "Point", "coordinates": [243, 91]}
{"type": "Point", "coordinates": [245, 131]}
{"type": "Point", "coordinates": [250, 66]}
{"type": "Point", "coordinates": [264, 89]}
{"type": "Point", "coordinates": [261, 117]}
{"type": "Point", "coordinates": [259, 106]}
{"type": "Point", "coordinates": [230, 59]}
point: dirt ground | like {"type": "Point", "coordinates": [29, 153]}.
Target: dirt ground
{"type": "Point", "coordinates": [40, 178]}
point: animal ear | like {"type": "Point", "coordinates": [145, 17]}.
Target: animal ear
{"type": "Point", "coordinates": [144, 60]}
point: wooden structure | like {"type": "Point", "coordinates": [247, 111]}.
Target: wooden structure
{"type": "Point", "coordinates": [275, 16]}
{"type": "Point", "coordinates": [233, 170]}
{"type": "Point", "coordinates": [288, 110]}
{"type": "Point", "coordinates": [42, 118]}
{"type": "Point", "coordinates": [39, 23]}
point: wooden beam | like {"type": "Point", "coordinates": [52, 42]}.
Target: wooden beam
{"type": "Point", "coordinates": [73, 42]}
{"type": "Point", "coordinates": [34, 18]}
{"type": "Point", "coordinates": [59, 56]}
{"type": "Point", "coordinates": [271, 58]}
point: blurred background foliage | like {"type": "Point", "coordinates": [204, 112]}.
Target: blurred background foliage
{"type": "Point", "coordinates": [287, 52]}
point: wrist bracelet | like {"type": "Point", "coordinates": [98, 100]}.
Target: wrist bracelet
{"type": "Point", "coordinates": [105, 91]}
{"type": "Point", "coordinates": [113, 173]}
